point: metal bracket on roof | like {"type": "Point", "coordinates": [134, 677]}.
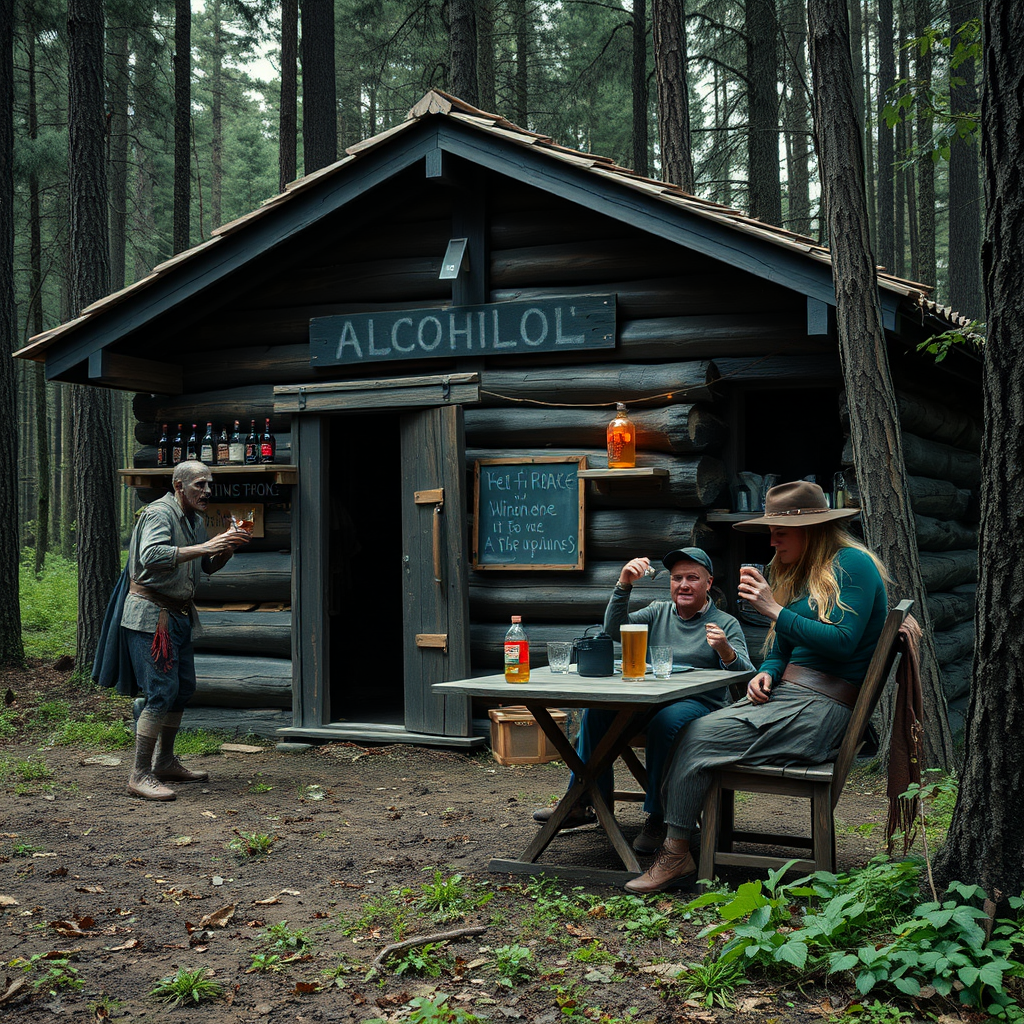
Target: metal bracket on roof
{"type": "Point", "coordinates": [302, 398]}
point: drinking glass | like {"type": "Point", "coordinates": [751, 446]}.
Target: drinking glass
{"type": "Point", "coordinates": [745, 607]}
{"type": "Point", "coordinates": [634, 651]}
{"type": "Point", "coordinates": [661, 662]}
{"type": "Point", "coordinates": [559, 655]}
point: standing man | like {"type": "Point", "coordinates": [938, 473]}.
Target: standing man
{"type": "Point", "coordinates": [168, 548]}
{"type": "Point", "coordinates": [700, 634]}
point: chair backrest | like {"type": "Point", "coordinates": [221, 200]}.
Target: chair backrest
{"type": "Point", "coordinates": [878, 672]}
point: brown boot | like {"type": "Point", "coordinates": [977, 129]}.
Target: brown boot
{"type": "Point", "coordinates": [671, 866]}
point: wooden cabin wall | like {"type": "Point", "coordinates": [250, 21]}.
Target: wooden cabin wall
{"type": "Point", "coordinates": [941, 446]}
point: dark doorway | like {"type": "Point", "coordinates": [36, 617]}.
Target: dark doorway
{"type": "Point", "coordinates": [365, 552]}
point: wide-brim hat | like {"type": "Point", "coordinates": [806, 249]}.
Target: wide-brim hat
{"type": "Point", "coordinates": [800, 503]}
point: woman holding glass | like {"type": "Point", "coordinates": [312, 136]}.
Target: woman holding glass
{"type": "Point", "coordinates": [826, 601]}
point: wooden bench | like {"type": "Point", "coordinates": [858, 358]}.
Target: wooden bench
{"type": "Point", "coordinates": [821, 784]}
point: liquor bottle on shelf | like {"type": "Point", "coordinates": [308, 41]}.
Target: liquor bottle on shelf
{"type": "Point", "coordinates": [223, 448]}
{"type": "Point", "coordinates": [268, 444]}
{"type": "Point", "coordinates": [192, 445]}
{"type": "Point", "coordinates": [236, 446]}
{"type": "Point", "coordinates": [517, 653]}
{"type": "Point", "coordinates": [163, 449]}
{"type": "Point", "coordinates": [621, 440]}
{"type": "Point", "coordinates": [252, 445]}
{"type": "Point", "coordinates": [208, 447]}
{"type": "Point", "coordinates": [177, 448]}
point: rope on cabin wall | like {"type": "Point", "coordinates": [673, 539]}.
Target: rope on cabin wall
{"type": "Point", "coordinates": [669, 395]}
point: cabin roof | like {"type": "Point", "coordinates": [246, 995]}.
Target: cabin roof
{"type": "Point", "coordinates": [187, 272]}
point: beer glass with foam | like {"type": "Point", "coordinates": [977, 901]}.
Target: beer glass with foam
{"type": "Point", "coordinates": [634, 651]}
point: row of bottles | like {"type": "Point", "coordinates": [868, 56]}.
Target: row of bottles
{"type": "Point", "coordinates": [213, 449]}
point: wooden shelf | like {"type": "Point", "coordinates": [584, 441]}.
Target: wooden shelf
{"type": "Point", "coordinates": [732, 517]}
{"type": "Point", "coordinates": [278, 471]}
{"type": "Point", "coordinates": [637, 473]}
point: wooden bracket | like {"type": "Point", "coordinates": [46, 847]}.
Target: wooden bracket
{"type": "Point", "coordinates": [433, 497]}
{"type": "Point", "coordinates": [436, 640]}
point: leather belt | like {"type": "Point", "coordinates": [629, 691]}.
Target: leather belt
{"type": "Point", "coordinates": [148, 594]}
{"type": "Point", "coordinates": [820, 682]}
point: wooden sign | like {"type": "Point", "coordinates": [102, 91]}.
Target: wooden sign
{"type": "Point", "coordinates": [497, 328]}
{"type": "Point", "coordinates": [528, 513]}
{"type": "Point", "coordinates": [218, 517]}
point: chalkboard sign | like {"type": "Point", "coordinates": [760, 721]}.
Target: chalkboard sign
{"type": "Point", "coordinates": [528, 513]}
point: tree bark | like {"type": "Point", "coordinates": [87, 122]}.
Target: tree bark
{"type": "Point", "coordinates": [119, 79]}
{"type": "Point", "coordinates": [182, 124]}
{"type": "Point", "coordinates": [485, 53]}
{"type": "Point", "coordinates": [986, 836]}
{"type": "Point", "coordinates": [288, 123]}
{"type": "Point", "coordinates": [874, 421]}
{"type": "Point", "coordinates": [462, 80]}
{"type": "Point", "coordinates": [668, 21]}
{"type": "Point", "coordinates": [641, 163]}
{"type": "Point", "coordinates": [763, 181]}
{"type": "Point", "coordinates": [12, 651]}
{"type": "Point", "coordinates": [95, 508]}
{"type": "Point", "coordinates": [925, 265]}
{"type": "Point", "coordinates": [886, 143]}
{"type": "Point", "coordinates": [216, 119]}
{"type": "Point", "coordinates": [797, 115]}
{"type": "Point", "coordinates": [319, 88]}
{"type": "Point", "coordinates": [521, 24]}
{"type": "Point", "coordinates": [965, 286]}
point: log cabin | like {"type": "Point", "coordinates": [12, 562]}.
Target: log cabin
{"type": "Point", "coordinates": [457, 291]}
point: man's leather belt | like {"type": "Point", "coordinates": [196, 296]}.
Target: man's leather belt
{"type": "Point", "coordinates": [179, 607]}
{"type": "Point", "coordinates": [831, 686]}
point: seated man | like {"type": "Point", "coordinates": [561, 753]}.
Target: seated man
{"type": "Point", "coordinates": [700, 635]}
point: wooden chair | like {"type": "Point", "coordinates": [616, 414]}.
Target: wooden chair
{"type": "Point", "coordinates": [821, 784]}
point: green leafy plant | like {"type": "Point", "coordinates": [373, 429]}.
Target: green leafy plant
{"type": "Point", "coordinates": [449, 899]}
{"type": "Point", "coordinates": [265, 963]}
{"type": "Point", "coordinates": [93, 731]}
{"type": "Point", "coordinates": [337, 973]}
{"type": "Point", "coordinates": [383, 911]}
{"type": "Point", "coordinates": [550, 906]}
{"type": "Point", "coordinates": [712, 982]}
{"type": "Point", "coordinates": [430, 960]}
{"type": "Point", "coordinates": [258, 785]}
{"type": "Point", "coordinates": [187, 987]}
{"type": "Point", "coordinates": [27, 769]}
{"type": "Point", "coordinates": [433, 1011]}
{"type": "Point", "coordinates": [252, 844]}
{"type": "Point", "coordinates": [49, 606]}
{"type": "Point", "coordinates": [593, 953]}
{"type": "Point", "coordinates": [50, 975]}
{"type": "Point", "coordinates": [24, 849]}
{"type": "Point", "coordinates": [282, 939]}
{"type": "Point", "coordinates": [875, 1012]}
{"type": "Point", "coordinates": [201, 741]}
{"type": "Point", "coordinates": [640, 919]}
{"type": "Point", "coordinates": [512, 964]}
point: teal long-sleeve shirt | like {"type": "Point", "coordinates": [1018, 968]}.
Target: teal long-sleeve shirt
{"type": "Point", "coordinates": [842, 646]}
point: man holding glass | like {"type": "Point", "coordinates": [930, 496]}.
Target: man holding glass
{"type": "Point", "coordinates": [701, 635]}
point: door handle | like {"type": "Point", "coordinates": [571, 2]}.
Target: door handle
{"type": "Point", "coordinates": [434, 497]}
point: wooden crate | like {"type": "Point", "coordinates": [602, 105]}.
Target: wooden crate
{"type": "Point", "coordinates": [516, 738]}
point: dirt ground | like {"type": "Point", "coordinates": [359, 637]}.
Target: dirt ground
{"type": "Point", "coordinates": [122, 887]}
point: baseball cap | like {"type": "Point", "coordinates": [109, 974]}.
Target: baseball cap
{"type": "Point", "coordinates": [697, 555]}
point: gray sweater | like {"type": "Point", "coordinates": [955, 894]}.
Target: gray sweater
{"type": "Point", "coordinates": [686, 637]}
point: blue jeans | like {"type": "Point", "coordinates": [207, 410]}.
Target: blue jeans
{"type": "Point", "coordinates": [662, 731]}
{"type": "Point", "coordinates": [171, 690]}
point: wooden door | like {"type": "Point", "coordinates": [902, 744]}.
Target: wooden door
{"type": "Point", "coordinates": [435, 559]}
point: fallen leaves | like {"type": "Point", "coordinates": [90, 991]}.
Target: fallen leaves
{"type": "Point", "coordinates": [19, 986]}
{"type": "Point", "coordinates": [276, 898]}
{"type": "Point", "coordinates": [219, 918]}
{"type": "Point", "coordinates": [8, 901]}
{"type": "Point", "coordinates": [74, 928]}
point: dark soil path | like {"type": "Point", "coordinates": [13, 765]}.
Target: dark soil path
{"type": "Point", "coordinates": [121, 887]}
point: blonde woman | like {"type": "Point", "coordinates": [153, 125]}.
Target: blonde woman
{"type": "Point", "coordinates": [827, 605]}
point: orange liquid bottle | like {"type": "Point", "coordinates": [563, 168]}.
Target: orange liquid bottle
{"type": "Point", "coordinates": [621, 440]}
{"type": "Point", "coordinates": [517, 653]}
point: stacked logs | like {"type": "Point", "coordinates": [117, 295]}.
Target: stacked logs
{"type": "Point", "coordinates": [941, 450]}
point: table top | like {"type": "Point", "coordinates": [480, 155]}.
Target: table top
{"type": "Point", "coordinates": [572, 690]}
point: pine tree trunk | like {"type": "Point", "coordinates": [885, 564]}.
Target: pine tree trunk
{"type": "Point", "coordinates": [119, 78]}
{"type": "Point", "coordinates": [926, 266]}
{"type": "Point", "coordinates": [182, 124]}
{"type": "Point", "coordinates": [216, 118]}
{"type": "Point", "coordinates": [12, 652]}
{"type": "Point", "coordinates": [797, 107]}
{"type": "Point", "coordinates": [867, 121]}
{"type": "Point", "coordinates": [899, 229]}
{"type": "Point", "coordinates": [462, 50]}
{"type": "Point", "coordinates": [288, 125]}
{"type": "Point", "coordinates": [668, 21]}
{"type": "Point", "coordinates": [965, 291]}
{"type": "Point", "coordinates": [319, 88]}
{"type": "Point", "coordinates": [874, 420]}
{"type": "Point", "coordinates": [886, 143]}
{"type": "Point", "coordinates": [485, 53]}
{"type": "Point", "coordinates": [522, 82]}
{"type": "Point", "coordinates": [641, 162]}
{"type": "Point", "coordinates": [764, 185]}
{"type": "Point", "coordinates": [95, 509]}
{"type": "Point", "coordinates": [986, 836]}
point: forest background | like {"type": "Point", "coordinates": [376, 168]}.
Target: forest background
{"type": "Point", "coordinates": [582, 71]}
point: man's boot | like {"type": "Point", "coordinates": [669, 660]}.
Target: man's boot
{"type": "Point", "coordinates": [672, 866]}
{"type": "Point", "coordinates": [142, 782]}
{"type": "Point", "coordinates": [166, 767]}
